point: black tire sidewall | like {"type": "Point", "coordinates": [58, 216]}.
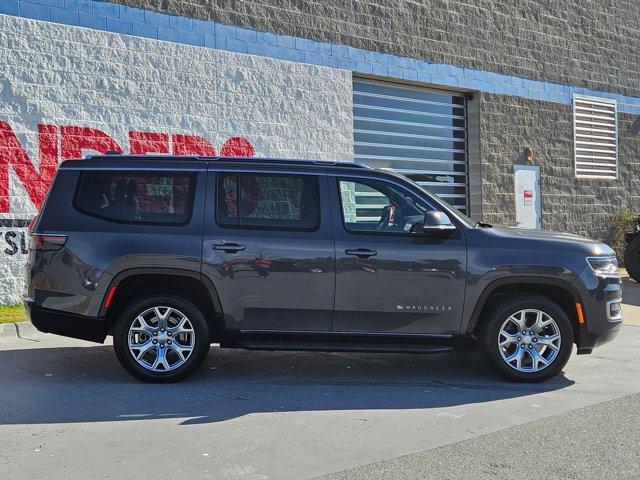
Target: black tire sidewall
{"type": "Point", "coordinates": [137, 306]}
{"type": "Point", "coordinates": [500, 312]}
{"type": "Point", "coordinates": [631, 257]}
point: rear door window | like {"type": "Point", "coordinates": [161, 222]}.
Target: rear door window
{"type": "Point", "coordinates": [268, 201]}
{"type": "Point", "coordinates": [155, 198]}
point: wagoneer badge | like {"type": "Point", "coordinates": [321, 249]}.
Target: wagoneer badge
{"type": "Point", "coordinates": [431, 308]}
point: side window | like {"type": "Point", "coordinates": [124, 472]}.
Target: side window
{"type": "Point", "coordinates": [377, 206]}
{"type": "Point", "coordinates": [137, 197]}
{"type": "Point", "coordinates": [268, 201]}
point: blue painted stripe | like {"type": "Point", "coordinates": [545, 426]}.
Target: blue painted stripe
{"type": "Point", "coordinates": [9, 7]}
{"type": "Point", "coordinates": [111, 17]}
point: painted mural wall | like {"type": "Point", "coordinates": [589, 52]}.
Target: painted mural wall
{"type": "Point", "coordinates": [66, 92]}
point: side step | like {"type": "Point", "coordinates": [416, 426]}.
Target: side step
{"type": "Point", "coordinates": [342, 347]}
{"type": "Point", "coordinates": [344, 342]}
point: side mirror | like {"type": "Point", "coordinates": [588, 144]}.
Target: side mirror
{"type": "Point", "coordinates": [437, 224]}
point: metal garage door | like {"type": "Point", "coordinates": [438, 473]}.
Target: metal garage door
{"type": "Point", "coordinates": [415, 131]}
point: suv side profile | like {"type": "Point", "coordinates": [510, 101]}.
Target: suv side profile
{"type": "Point", "coordinates": [171, 254]}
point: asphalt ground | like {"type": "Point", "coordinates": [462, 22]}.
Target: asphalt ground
{"type": "Point", "coordinates": [67, 410]}
{"type": "Point", "coordinates": [591, 443]}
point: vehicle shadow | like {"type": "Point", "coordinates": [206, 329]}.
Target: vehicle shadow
{"type": "Point", "coordinates": [86, 384]}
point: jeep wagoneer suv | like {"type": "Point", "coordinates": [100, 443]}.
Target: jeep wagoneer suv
{"type": "Point", "coordinates": [171, 254]}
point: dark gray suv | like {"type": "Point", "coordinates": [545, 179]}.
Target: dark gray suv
{"type": "Point", "coordinates": [171, 254]}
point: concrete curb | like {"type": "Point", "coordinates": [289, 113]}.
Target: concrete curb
{"type": "Point", "coordinates": [17, 330]}
{"type": "Point", "coordinates": [8, 330]}
{"type": "Point", "coordinates": [26, 329]}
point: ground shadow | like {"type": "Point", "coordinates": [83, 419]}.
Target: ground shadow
{"type": "Point", "coordinates": [86, 384]}
{"type": "Point", "coordinates": [631, 292]}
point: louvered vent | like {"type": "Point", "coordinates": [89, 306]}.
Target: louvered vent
{"type": "Point", "coordinates": [595, 131]}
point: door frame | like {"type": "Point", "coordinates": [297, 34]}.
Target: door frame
{"type": "Point", "coordinates": [211, 227]}
{"type": "Point", "coordinates": [341, 234]}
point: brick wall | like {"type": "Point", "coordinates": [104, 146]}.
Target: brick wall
{"type": "Point", "coordinates": [66, 77]}
{"type": "Point", "coordinates": [589, 43]}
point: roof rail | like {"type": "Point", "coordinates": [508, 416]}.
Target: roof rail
{"type": "Point", "coordinates": [278, 161]}
{"type": "Point", "coordinates": [326, 163]}
{"type": "Point", "coordinates": [108, 153]}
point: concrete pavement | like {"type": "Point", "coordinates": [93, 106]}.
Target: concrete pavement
{"type": "Point", "coordinates": [631, 297]}
{"type": "Point", "coordinates": [67, 410]}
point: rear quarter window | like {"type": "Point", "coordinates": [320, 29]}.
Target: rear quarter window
{"type": "Point", "coordinates": [129, 197]}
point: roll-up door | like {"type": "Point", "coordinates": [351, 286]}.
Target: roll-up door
{"type": "Point", "coordinates": [418, 132]}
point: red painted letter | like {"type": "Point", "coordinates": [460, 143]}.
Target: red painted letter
{"type": "Point", "coordinates": [237, 147]}
{"type": "Point", "coordinates": [192, 145]}
{"type": "Point", "coordinates": [148, 142]}
{"type": "Point", "coordinates": [76, 139]}
{"type": "Point", "coordinates": [35, 182]}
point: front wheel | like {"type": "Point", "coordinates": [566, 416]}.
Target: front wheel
{"type": "Point", "coordinates": [632, 258]}
{"type": "Point", "coordinates": [161, 338]}
{"type": "Point", "coordinates": [527, 338]}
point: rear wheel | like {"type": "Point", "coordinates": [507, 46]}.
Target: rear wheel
{"type": "Point", "coordinates": [161, 338]}
{"type": "Point", "coordinates": [527, 338]}
{"type": "Point", "coordinates": [632, 258]}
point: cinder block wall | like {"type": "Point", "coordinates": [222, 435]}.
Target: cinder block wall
{"type": "Point", "coordinates": [592, 44]}
{"type": "Point", "coordinates": [575, 205]}
{"type": "Point", "coordinates": [58, 75]}
{"type": "Point", "coordinates": [589, 43]}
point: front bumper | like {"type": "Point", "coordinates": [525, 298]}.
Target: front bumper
{"type": "Point", "coordinates": [67, 324]}
{"type": "Point", "coordinates": [602, 301]}
{"type": "Point", "coordinates": [588, 341]}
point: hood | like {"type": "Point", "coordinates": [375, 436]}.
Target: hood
{"type": "Point", "coordinates": [557, 239]}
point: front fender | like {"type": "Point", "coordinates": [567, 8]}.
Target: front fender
{"type": "Point", "coordinates": [483, 287]}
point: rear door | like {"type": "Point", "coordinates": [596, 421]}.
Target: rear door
{"type": "Point", "coordinates": [268, 248]}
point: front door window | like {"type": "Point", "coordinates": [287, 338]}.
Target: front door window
{"type": "Point", "coordinates": [381, 207]}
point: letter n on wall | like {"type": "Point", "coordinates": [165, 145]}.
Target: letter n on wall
{"type": "Point", "coordinates": [36, 182]}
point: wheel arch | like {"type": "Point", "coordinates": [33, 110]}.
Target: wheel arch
{"type": "Point", "coordinates": [560, 291]}
{"type": "Point", "coordinates": [196, 287]}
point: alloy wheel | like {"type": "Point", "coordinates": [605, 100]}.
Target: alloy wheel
{"type": "Point", "coordinates": [161, 338]}
{"type": "Point", "coordinates": [529, 340]}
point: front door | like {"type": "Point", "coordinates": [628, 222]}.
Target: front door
{"type": "Point", "coordinates": [390, 276]}
{"type": "Point", "coordinates": [269, 250]}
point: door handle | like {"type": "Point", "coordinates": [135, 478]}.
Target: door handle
{"type": "Point", "coordinates": [361, 252]}
{"type": "Point", "coordinates": [228, 247]}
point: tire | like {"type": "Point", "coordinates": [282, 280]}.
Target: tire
{"type": "Point", "coordinates": [178, 350]}
{"type": "Point", "coordinates": [504, 316]}
{"type": "Point", "coordinates": [632, 258]}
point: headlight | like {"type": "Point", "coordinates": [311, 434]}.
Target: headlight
{"type": "Point", "coordinates": [603, 265]}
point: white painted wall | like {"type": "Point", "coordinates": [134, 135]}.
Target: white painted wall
{"type": "Point", "coordinates": [61, 75]}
